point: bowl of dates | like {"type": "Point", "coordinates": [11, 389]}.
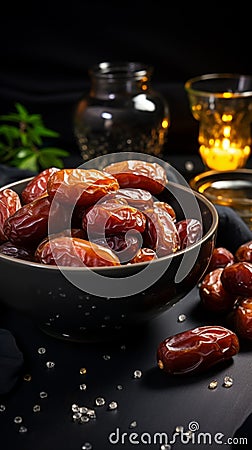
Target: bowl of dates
{"type": "Point", "coordinates": [91, 252]}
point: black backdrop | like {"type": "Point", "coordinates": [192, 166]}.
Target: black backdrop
{"type": "Point", "coordinates": [47, 47]}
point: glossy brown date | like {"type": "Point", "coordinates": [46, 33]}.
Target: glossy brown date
{"type": "Point", "coordinates": [28, 225]}
{"type": "Point", "coordinates": [80, 187]}
{"type": "Point", "coordinates": [144, 255]}
{"type": "Point", "coordinates": [111, 218]}
{"type": "Point", "coordinates": [221, 257]}
{"type": "Point", "coordinates": [189, 231]}
{"type": "Point", "coordinates": [139, 174]}
{"type": "Point", "coordinates": [72, 232]}
{"type": "Point", "coordinates": [166, 207]}
{"type": "Point", "coordinates": [37, 186]}
{"type": "Point", "coordinates": [242, 318]}
{"type": "Point", "coordinates": [75, 252]}
{"type": "Point", "coordinates": [9, 203]}
{"type": "Point", "coordinates": [16, 251]}
{"type": "Point", "coordinates": [196, 350]}
{"type": "Point", "coordinates": [237, 278]}
{"type": "Point", "coordinates": [125, 246]}
{"type": "Point", "coordinates": [160, 234]}
{"type": "Point", "coordinates": [214, 297]}
{"type": "Point", "coordinates": [138, 198]}
{"type": "Point", "coordinates": [244, 252]}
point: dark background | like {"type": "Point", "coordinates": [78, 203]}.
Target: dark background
{"type": "Point", "coordinates": [47, 48]}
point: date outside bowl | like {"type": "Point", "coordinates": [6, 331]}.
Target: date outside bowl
{"type": "Point", "coordinates": [84, 305]}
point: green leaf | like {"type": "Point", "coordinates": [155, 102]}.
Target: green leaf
{"type": "Point", "coordinates": [22, 111]}
{"type": "Point", "coordinates": [10, 131]}
{"type": "Point", "coordinates": [29, 163]}
{"type": "Point", "coordinates": [49, 160]}
{"type": "Point", "coordinates": [10, 117]}
{"type": "Point", "coordinates": [24, 152]}
{"type": "Point", "coordinates": [55, 151]}
{"type": "Point", "coordinates": [35, 120]}
{"type": "Point", "coordinates": [22, 145]}
{"type": "Point", "coordinates": [46, 132]}
{"type": "Point", "coordinates": [34, 137]}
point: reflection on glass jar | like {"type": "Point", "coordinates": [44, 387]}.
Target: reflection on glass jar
{"type": "Point", "coordinates": [222, 103]}
{"type": "Point", "coordinates": [121, 112]}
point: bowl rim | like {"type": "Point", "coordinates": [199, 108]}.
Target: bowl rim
{"type": "Point", "coordinates": [126, 267]}
{"type": "Point", "coordinates": [206, 178]}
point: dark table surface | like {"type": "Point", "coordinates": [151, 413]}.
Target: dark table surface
{"type": "Point", "coordinates": [154, 403]}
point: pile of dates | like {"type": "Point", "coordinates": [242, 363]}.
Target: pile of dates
{"type": "Point", "coordinates": [225, 292]}
{"type": "Point", "coordinates": [226, 289]}
{"type": "Point", "coordinates": [105, 217]}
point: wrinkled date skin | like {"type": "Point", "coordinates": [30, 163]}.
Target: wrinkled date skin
{"type": "Point", "coordinates": [37, 187]}
{"type": "Point", "coordinates": [111, 218]}
{"type": "Point", "coordinates": [16, 251]}
{"type": "Point", "coordinates": [243, 318]}
{"type": "Point", "coordinates": [244, 252]}
{"type": "Point", "coordinates": [28, 226]}
{"type": "Point", "coordinates": [139, 174]}
{"type": "Point", "coordinates": [80, 187]}
{"type": "Point", "coordinates": [221, 257]}
{"type": "Point", "coordinates": [159, 206]}
{"type": "Point", "coordinates": [75, 252]}
{"type": "Point", "coordinates": [161, 234]}
{"type": "Point", "coordinates": [73, 232]}
{"type": "Point", "coordinates": [138, 198]}
{"type": "Point", "coordinates": [9, 203]}
{"type": "Point", "coordinates": [190, 231]}
{"type": "Point", "coordinates": [213, 296]}
{"type": "Point", "coordinates": [125, 246]}
{"type": "Point", "coordinates": [237, 278]}
{"type": "Point", "coordinates": [196, 350]}
{"type": "Point", "coordinates": [144, 255]}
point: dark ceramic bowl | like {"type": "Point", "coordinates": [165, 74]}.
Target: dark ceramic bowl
{"type": "Point", "coordinates": [81, 304]}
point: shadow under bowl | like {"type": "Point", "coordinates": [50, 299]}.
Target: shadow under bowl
{"type": "Point", "coordinates": [59, 302]}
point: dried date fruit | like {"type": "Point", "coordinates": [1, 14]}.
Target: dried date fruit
{"type": "Point", "coordinates": [9, 203]}
{"type": "Point", "coordinates": [75, 252]}
{"type": "Point", "coordinates": [111, 218]}
{"type": "Point", "coordinates": [158, 205]}
{"type": "Point", "coordinates": [37, 187]}
{"type": "Point", "coordinates": [16, 251]}
{"type": "Point", "coordinates": [139, 174]}
{"type": "Point", "coordinates": [190, 231]}
{"type": "Point", "coordinates": [237, 278]}
{"type": "Point", "coordinates": [144, 255]}
{"type": "Point", "coordinates": [28, 225]}
{"type": "Point", "coordinates": [196, 350]}
{"type": "Point", "coordinates": [214, 297]}
{"type": "Point", "coordinates": [72, 232]}
{"type": "Point", "coordinates": [80, 187]}
{"type": "Point", "coordinates": [124, 245]}
{"type": "Point", "coordinates": [138, 198]}
{"type": "Point", "coordinates": [221, 257]}
{"type": "Point", "coordinates": [242, 318]}
{"type": "Point", "coordinates": [160, 234]}
{"type": "Point", "coordinates": [244, 252]}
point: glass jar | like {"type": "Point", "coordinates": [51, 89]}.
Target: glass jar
{"type": "Point", "coordinates": [121, 112]}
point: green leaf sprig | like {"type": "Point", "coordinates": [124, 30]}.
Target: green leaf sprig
{"type": "Point", "coordinates": [22, 141]}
